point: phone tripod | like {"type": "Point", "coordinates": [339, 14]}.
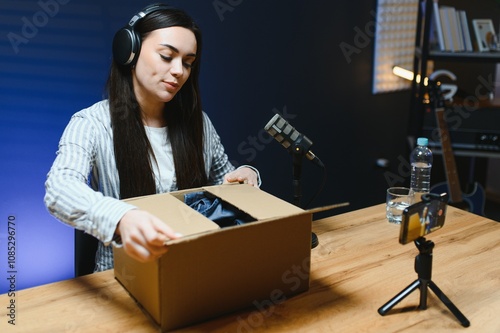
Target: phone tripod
{"type": "Point", "coordinates": [423, 267]}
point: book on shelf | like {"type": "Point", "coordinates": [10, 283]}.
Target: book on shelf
{"type": "Point", "coordinates": [449, 28]}
{"type": "Point", "coordinates": [457, 29]}
{"type": "Point", "coordinates": [452, 28]}
{"type": "Point", "coordinates": [464, 23]}
{"type": "Point", "coordinates": [436, 32]}
{"type": "Point", "coordinates": [446, 27]}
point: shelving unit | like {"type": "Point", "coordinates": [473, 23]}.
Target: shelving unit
{"type": "Point", "coordinates": [462, 56]}
{"type": "Point", "coordinates": [474, 158]}
{"type": "Point", "coordinates": [424, 54]}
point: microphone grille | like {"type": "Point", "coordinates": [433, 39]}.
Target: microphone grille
{"type": "Point", "coordinates": [282, 131]}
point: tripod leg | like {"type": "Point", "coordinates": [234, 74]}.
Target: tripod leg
{"type": "Point", "coordinates": [423, 294]}
{"type": "Point", "coordinates": [463, 320]}
{"type": "Point", "coordinates": [398, 298]}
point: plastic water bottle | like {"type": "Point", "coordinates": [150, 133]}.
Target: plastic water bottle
{"type": "Point", "coordinates": [421, 164]}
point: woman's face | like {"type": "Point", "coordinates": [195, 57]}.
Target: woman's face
{"type": "Point", "coordinates": [164, 64]}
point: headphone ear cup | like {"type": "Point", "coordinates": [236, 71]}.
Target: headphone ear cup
{"type": "Point", "coordinates": [126, 42]}
{"type": "Point", "coordinates": [126, 47]}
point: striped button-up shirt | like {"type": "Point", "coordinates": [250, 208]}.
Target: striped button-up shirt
{"type": "Point", "coordinates": [82, 186]}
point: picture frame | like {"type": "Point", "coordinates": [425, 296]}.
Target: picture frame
{"type": "Point", "coordinates": [485, 34]}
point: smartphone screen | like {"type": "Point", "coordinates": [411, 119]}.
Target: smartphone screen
{"type": "Point", "coordinates": [421, 219]}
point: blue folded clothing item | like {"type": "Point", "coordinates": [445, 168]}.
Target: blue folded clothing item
{"type": "Point", "coordinates": [216, 210]}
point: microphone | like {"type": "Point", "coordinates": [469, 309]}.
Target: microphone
{"type": "Point", "coordinates": [290, 138]}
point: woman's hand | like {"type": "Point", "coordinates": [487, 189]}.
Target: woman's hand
{"type": "Point", "coordinates": [242, 175]}
{"type": "Point", "coordinates": [144, 235]}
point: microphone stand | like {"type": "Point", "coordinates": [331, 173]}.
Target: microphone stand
{"type": "Point", "coordinates": [297, 174]}
{"type": "Point", "coordinates": [299, 150]}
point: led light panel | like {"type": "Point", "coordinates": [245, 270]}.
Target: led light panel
{"type": "Point", "coordinates": [394, 43]}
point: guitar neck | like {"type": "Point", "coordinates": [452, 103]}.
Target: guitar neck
{"type": "Point", "coordinates": [455, 192]}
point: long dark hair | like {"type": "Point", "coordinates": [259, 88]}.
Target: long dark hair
{"type": "Point", "coordinates": [183, 116]}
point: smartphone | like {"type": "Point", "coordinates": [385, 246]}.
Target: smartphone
{"type": "Point", "coordinates": [423, 217]}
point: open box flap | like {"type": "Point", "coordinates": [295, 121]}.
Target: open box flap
{"type": "Point", "coordinates": [253, 201]}
{"type": "Point", "coordinates": [179, 217]}
{"type": "Point", "coordinates": [260, 204]}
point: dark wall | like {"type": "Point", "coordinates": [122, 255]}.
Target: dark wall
{"type": "Point", "coordinates": [285, 57]}
{"type": "Point", "coordinates": [260, 57]}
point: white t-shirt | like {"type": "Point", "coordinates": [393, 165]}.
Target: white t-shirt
{"type": "Point", "coordinates": [163, 168]}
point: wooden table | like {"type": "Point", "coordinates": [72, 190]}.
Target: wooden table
{"type": "Point", "coordinates": [358, 266]}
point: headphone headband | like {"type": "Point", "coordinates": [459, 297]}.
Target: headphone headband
{"type": "Point", "coordinates": [146, 11]}
{"type": "Point", "coordinates": [127, 42]}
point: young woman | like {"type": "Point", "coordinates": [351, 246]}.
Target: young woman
{"type": "Point", "coordinates": [149, 136]}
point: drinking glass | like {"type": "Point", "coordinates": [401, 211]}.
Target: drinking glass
{"type": "Point", "coordinates": [397, 199]}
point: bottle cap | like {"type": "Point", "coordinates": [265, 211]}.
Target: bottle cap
{"type": "Point", "coordinates": [422, 141]}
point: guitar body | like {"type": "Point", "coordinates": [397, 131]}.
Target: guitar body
{"type": "Point", "coordinates": [472, 202]}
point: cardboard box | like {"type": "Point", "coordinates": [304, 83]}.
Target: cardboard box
{"type": "Point", "coordinates": [212, 271]}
